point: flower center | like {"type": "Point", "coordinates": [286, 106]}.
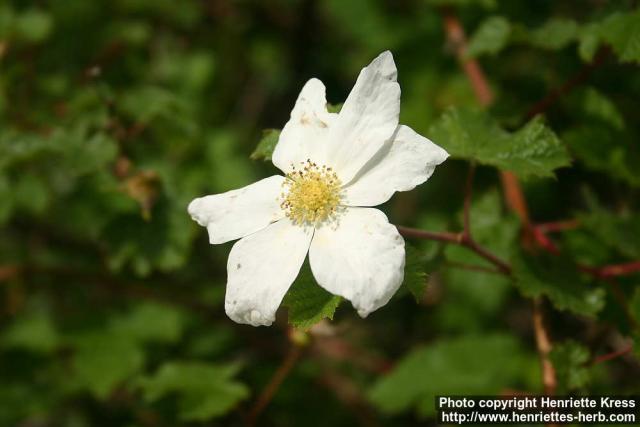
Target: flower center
{"type": "Point", "coordinates": [311, 194]}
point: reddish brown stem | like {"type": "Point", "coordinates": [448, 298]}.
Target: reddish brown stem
{"type": "Point", "coordinates": [457, 39]}
{"type": "Point", "coordinates": [8, 272]}
{"type": "Point", "coordinates": [619, 269]}
{"type": "Point", "coordinates": [441, 236]}
{"type": "Point", "coordinates": [458, 239]}
{"type": "Point", "coordinates": [274, 384]}
{"type": "Point", "coordinates": [515, 198]}
{"type": "Point", "coordinates": [543, 344]}
{"type": "Point", "coordinates": [613, 355]}
{"type": "Point", "coordinates": [579, 78]}
{"type": "Point", "coordinates": [557, 226]}
{"type": "Point", "coordinates": [472, 267]}
{"type": "Point", "coordinates": [542, 240]}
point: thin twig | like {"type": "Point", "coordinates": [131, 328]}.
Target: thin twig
{"type": "Point", "coordinates": [515, 199]}
{"type": "Point", "coordinates": [619, 269]}
{"type": "Point", "coordinates": [543, 344]}
{"type": "Point", "coordinates": [472, 267]}
{"type": "Point", "coordinates": [457, 239]}
{"type": "Point", "coordinates": [580, 77]}
{"type": "Point", "coordinates": [441, 236]}
{"type": "Point", "coordinates": [557, 226]}
{"type": "Point", "coordinates": [457, 40]}
{"type": "Point", "coordinates": [290, 360]}
{"type": "Point", "coordinates": [614, 354]}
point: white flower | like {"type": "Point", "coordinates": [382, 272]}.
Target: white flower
{"type": "Point", "coordinates": [336, 167]}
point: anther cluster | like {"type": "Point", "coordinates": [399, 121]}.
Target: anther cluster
{"type": "Point", "coordinates": [311, 193]}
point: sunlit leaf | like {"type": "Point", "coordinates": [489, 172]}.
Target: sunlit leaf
{"type": "Point", "coordinates": [570, 361]}
{"type": "Point", "coordinates": [490, 38]}
{"type": "Point", "coordinates": [267, 144]}
{"type": "Point", "coordinates": [533, 150]}
{"type": "Point", "coordinates": [467, 365]}
{"type": "Point", "coordinates": [204, 391]}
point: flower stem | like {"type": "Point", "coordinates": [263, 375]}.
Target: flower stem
{"type": "Point", "coordinates": [290, 360]}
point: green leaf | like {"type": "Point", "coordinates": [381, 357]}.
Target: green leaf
{"type": "Point", "coordinates": [601, 149]}
{"type": "Point", "coordinates": [555, 34]}
{"type": "Point", "coordinates": [150, 322]}
{"type": "Point", "coordinates": [619, 232]}
{"type": "Point", "coordinates": [596, 105]}
{"type": "Point", "coordinates": [490, 38]}
{"type": "Point", "coordinates": [102, 361]}
{"type": "Point", "coordinates": [570, 359]}
{"type": "Point", "coordinates": [33, 332]}
{"type": "Point", "coordinates": [622, 32]}
{"type": "Point", "coordinates": [33, 25]}
{"type": "Point", "coordinates": [560, 281]}
{"type": "Point", "coordinates": [470, 134]}
{"type": "Point", "coordinates": [334, 108]}
{"type": "Point", "coordinates": [482, 364]}
{"type": "Point", "coordinates": [588, 41]}
{"type": "Point", "coordinates": [307, 302]}
{"type": "Point", "coordinates": [415, 278]}
{"type": "Point", "coordinates": [267, 144]}
{"type": "Point", "coordinates": [619, 30]}
{"type": "Point", "coordinates": [204, 390]}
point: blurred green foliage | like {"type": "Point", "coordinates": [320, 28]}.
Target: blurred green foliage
{"type": "Point", "coordinates": [115, 114]}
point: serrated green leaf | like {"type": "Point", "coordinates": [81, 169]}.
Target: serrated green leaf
{"type": "Point", "coordinates": [415, 278]}
{"type": "Point", "coordinates": [560, 281]}
{"type": "Point", "coordinates": [267, 144]}
{"type": "Point", "coordinates": [555, 34]}
{"type": "Point", "coordinates": [569, 360]}
{"type": "Point", "coordinates": [622, 32]}
{"type": "Point", "coordinates": [102, 361]}
{"type": "Point", "coordinates": [490, 38]}
{"type": "Point", "coordinates": [204, 390]}
{"type": "Point", "coordinates": [307, 302]}
{"type": "Point", "coordinates": [533, 150]}
{"type": "Point", "coordinates": [483, 364]}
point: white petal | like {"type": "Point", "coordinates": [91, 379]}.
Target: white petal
{"type": "Point", "coordinates": [305, 134]}
{"type": "Point", "coordinates": [401, 164]}
{"type": "Point", "coordinates": [237, 213]}
{"type": "Point", "coordinates": [260, 270]}
{"type": "Point", "coordinates": [367, 119]}
{"type": "Point", "coordinates": [362, 259]}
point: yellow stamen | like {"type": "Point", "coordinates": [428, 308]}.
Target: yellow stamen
{"type": "Point", "coordinates": [311, 195]}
